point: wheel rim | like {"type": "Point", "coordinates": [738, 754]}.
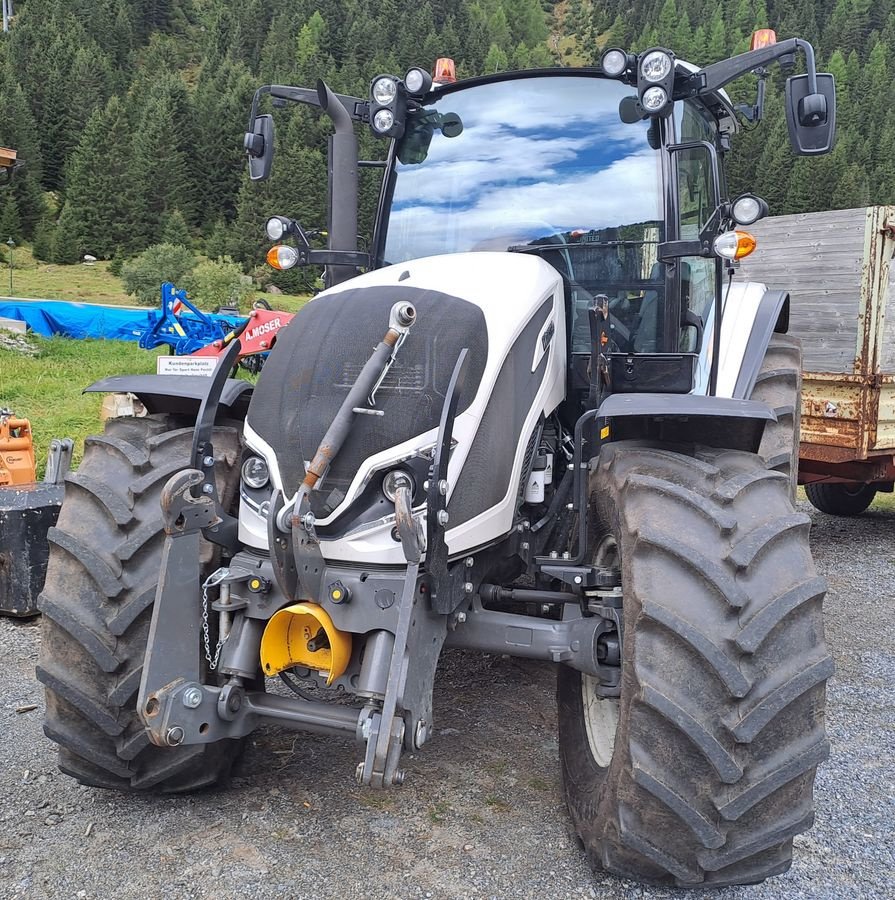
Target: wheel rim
{"type": "Point", "coordinates": [600, 721]}
{"type": "Point", "coordinates": [600, 713]}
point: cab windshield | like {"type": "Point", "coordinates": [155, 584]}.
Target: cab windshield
{"type": "Point", "coordinates": [542, 165]}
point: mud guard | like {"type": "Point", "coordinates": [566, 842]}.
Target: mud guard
{"type": "Point", "coordinates": [177, 394]}
{"type": "Point", "coordinates": [687, 419]}
{"type": "Point", "coordinates": [772, 317]}
{"type": "Point", "coordinates": [723, 422]}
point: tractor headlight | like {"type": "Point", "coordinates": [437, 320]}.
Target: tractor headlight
{"type": "Point", "coordinates": [255, 472]}
{"type": "Point", "coordinates": [655, 66]}
{"type": "Point", "coordinates": [394, 481]}
{"type": "Point", "coordinates": [614, 62]}
{"type": "Point", "coordinates": [384, 120]}
{"type": "Point", "coordinates": [654, 99]}
{"type": "Point", "coordinates": [417, 81]}
{"type": "Point", "coordinates": [748, 209]}
{"type": "Point", "coordinates": [388, 106]}
{"type": "Point", "coordinates": [384, 90]}
{"type": "Point", "coordinates": [277, 227]}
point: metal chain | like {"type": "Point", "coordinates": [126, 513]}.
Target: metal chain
{"type": "Point", "coordinates": [206, 630]}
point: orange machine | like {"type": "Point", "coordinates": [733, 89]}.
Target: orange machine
{"type": "Point", "coordinates": [16, 450]}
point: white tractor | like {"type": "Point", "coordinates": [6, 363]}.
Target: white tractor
{"type": "Point", "coordinates": [542, 422]}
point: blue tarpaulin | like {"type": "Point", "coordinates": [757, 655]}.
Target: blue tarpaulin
{"type": "Point", "coordinates": [81, 320]}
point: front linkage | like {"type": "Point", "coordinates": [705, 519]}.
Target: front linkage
{"type": "Point", "coordinates": [408, 617]}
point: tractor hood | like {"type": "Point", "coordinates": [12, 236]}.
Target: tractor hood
{"type": "Point", "coordinates": [504, 308]}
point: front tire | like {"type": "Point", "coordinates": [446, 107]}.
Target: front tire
{"type": "Point", "coordinates": [105, 557]}
{"type": "Point", "coordinates": [839, 498]}
{"type": "Point", "coordinates": [721, 715]}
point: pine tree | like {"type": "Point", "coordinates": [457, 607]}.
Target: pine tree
{"type": "Point", "coordinates": [19, 132]}
{"type": "Point", "coordinates": [716, 44]}
{"type": "Point", "coordinates": [496, 60]}
{"type": "Point", "coordinates": [10, 221]}
{"type": "Point", "coordinates": [312, 61]}
{"type": "Point", "coordinates": [774, 169]}
{"type": "Point", "coordinates": [221, 100]}
{"type": "Point", "coordinates": [96, 215]}
{"type": "Point", "coordinates": [163, 161]}
{"type": "Point", "coordinates": [175, 230]}
{"type": "Point", "coordinates": [852, 189]}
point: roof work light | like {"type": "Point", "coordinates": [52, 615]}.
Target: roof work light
{"type": "Point", "coordinates": [655, 81]}
{"type": "Point", "coordinates": [388, 106]}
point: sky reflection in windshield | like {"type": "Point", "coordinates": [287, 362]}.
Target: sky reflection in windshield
{"type": "Point", "coordinates": [536, 156]}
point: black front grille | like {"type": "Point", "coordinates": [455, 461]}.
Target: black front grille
{"type": "Point", "coordinates": [401, 377]}
{"type": "Point", "coordinates": [318, 356]}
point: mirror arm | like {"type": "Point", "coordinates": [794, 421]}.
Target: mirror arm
{"type": "Point", "coordinates": [256, 101]}
{"type": "Point", "coordinates": [668, 251]}
{"type": "Point", "coordinates": [714, 77]}
{"type": "Point", "coordinates": [357, 109]}
{"type": "Point", "coordinates": [308, 256]}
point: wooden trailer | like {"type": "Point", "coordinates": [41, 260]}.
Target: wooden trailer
{"type": "Point", "coordinates": [838, 269]}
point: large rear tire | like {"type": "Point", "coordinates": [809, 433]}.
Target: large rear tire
{"type": "Point", "coordinates": [719, 728]}
{"type": "Point", "coordinates": [779, 385]}
{"type": "Point", "coordinates": [105, 557]}
{"type": "Point", "coordinates": [840, 499]}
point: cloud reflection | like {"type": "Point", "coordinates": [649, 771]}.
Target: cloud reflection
{"type": "Point", "coordinates": [536, 156]}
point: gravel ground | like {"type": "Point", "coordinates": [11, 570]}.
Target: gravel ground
{"type": "Point", "coordinates": [481, 813]}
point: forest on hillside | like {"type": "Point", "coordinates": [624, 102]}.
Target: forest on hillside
{"type": "Point", "coordinates": [130, 113]}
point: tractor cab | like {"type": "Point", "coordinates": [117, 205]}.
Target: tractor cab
{"type": "Point", "coordinates": [612, 174]}
{"type": "Point", "coordinates": [540, 165]}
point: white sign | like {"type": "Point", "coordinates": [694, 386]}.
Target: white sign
{"type": "Point", "coordinates": [185, 365]}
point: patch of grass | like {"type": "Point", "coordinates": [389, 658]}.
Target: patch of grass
{"type": "Point", "coordinates": [376, 800]}
{"type": "Point", "coordinates": [498, 767]}
{"type": "Point", "coordinates": [79, 283]}
{"type": "Point", "coordinates": [539, 784]}
{"type": "Point", "coordinates": [884, 501]}
{"type": "Point", "coordinates": [438, 813]}
{"type": "Point", "coordinates": [47, 388]}
{"type": "Point", "coordinates": [497, 804]}
{"type": "Point", "coordinates": [287, 302]}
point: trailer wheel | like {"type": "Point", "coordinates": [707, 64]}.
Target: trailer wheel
{"type": "Point", "coordinates": [702, 771]}
{"type": "Point", "coordinates": [105, 557]}
{"type": "Point", "coordinates": [779, 385]}
{"type": "Point", "coordinates": [840, 499]}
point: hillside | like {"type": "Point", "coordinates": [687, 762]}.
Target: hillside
{"type": "Point", "coordinates": [130, 112]}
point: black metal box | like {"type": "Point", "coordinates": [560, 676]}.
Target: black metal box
{"type": "Point", "coordinates": [27, 512]}
{"type": "Point", "coordinates": [652, 373]}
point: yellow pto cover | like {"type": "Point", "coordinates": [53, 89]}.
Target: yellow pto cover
{"type": "Point", "coordinates": [293, 638]}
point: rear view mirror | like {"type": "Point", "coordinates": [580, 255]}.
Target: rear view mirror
{"type": "Point", "coordinates": [811, 117]}
{"type": "Point", "coordinates": [414, 148]}
{"type": "Point", "coordinates": [259, 147]}
{"type": "Point", "coordinates": [451, 125]}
